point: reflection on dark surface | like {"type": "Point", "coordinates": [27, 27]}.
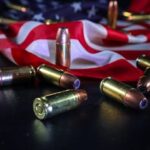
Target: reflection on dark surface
{"type": "Point", "coordinates": [41, 132]}
{"type": "Point", "coordinates": [110, 115]}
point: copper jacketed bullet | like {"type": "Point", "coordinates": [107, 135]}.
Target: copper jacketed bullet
{"type": "Point", "coordinates": [143, 61]}
{"type": "Point", "coordinates": [63, 47]}
{"type": "Point", "coordinates": [144, 83]}
{"type": "Point", "coordinates": [56, 103]}
{"type": "Point", "coordinates": [123, 93]}
{"type": "Point", "coordinates": [112, 13]}
{"type": "Point", "coordinates": [12, 75]}
{"type": "Point", "coordinates": [16, 7]}
{"type": "Point", "coordinates": [6, 21]}
{"type": "Point", "coordinates": [58, 77]}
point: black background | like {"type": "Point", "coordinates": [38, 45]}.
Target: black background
{"type": "Point", "coordinates": [98, 124]}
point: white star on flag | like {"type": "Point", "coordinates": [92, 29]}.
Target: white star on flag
{"type": "Point", "coordinates": [76, 6]}
{"type": "Point", "coordinates": [92, 12]}
{"type": "Point", "coordinates": [38, 17]}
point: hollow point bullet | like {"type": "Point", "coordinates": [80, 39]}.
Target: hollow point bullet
{"type": "Point", "coordinates": [56, 103]}
{"type": "Point", "coordinates": [13, 75]}
{"type": "Point", "coordinates": [143, 61]}
{"type": "Point", "coordinates": [112, 13]}
{"type": "Point", "coordinates": [58, 77]}
{"type": "Point", "coordinates": [123, 93]}
{"type": "Point", "coordinates": [143, 83]}
{"type": "Point", "coordinates": [63, 47]}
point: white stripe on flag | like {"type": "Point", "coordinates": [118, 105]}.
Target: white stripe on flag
{"type": "Point", "coordinates": [25, 29]}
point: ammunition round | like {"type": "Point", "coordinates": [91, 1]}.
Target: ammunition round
{"type": "Point", "coordinates": [123, 93]}
{"type": "Point", "coordinates": [12, 75]}
{"type": "Point", "coordinates": [56, 103]}
{"type": "Point", "coordinates": [143, 85]}
{"type": "Point", "coordinates": [63, 47]}
{"type": "Point", "coordinates": [143, 62]}
{"type": "Point", "coordinates": [58, 77]}
{"type": "Point", "coordinates": [112, 13]}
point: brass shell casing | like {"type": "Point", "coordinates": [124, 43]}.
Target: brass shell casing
{"type": "Point", "coordinates": [56, 103]}
{"type": "Point", "coordinates": [143, 62]}
{"type": "Point", "coordinates": [63, 47]}
{"type": "Point", "coordinates": [12, 75]}
{"type": "Point", "coordinates": [143, 83]}
{"type": "Point", "coordinates": [6, 21]}
{"type": "Point", "coordinates": [58, 77]}
{"type": "Point", "coordinates": [140, 17]}
{"type": "Point", "coordinates": [112, 13]}
{"type": "Point", "coordinates": [16, 7]}
{"type": "Point", "coordinates": [123, 93]}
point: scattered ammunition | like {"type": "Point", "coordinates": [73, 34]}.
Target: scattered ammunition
{"type": "Point", "coordinates": [6, 21]}
{"type": "Point", "coordinates": [144, 83]}
{"type": "Point", "coordinates": [49, 21]}
{"type": "Point", "coordinates": [143, 62]}
{"type": "Point", "coordinates": [63, 47]}
{"type": "Point", "coordinates": [139, 17]}
{"type": "Point", "coordinates": [13, 75]}
{"type": "Point", "coordinates": [112, 13]}
{"type": "Point", "coordinates": [123, 93]}
{"type": "Point", "coordinates": [56, 103]}
{"type": "Point", "coordinates": [126, 14]}
{"type": "Point", "coordinates": [16, 7]}
{"type": "Point", "coordinates": [58, 77]}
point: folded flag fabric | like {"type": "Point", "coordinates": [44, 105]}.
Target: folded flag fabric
{"type": "Point", "coordinates": [97, 51]}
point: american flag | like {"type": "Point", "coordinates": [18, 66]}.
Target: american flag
{"type": "Point", "coordinates": [97, 51]}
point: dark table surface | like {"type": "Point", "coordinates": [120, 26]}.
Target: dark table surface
{"type": "Point", "coordinates": [99, 124]}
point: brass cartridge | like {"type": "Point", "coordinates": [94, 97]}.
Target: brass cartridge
{"type": "Point", "coordinates": [56, 103]}
{"type": "Point", "coordinates": [16, 7]}
{"type": "Point", "coordinates": [143, 83]}
{"type": "Point", "coordinates": [112, 13]}
{"type": "Point", "coordinates": [143, 62]}
{"type": "Point", "coordinates": [63, 47]}
{"type": "Point", "coordinates": [58, 77]}
{"type": "Point", "coordinates": [12, 75]}
{"type": "Point", "coordinates": [6, 21]}
{"type": "Point", "coordinates": [123, 93]}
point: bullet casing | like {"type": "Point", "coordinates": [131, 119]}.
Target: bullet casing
{"type": "Point", "coordinates": [16, 7]}
{"type": "Point", "coordinates": [58, 77]}
{"type": "Point", "coordinates": [12, 75]}
{"type": "Point", "coordinates": [6, 21]}
{"type": "Point", "coordinates": [143, 62]}
{"type": "Point", "coordinates": [63, 47]}
{"type": "Point", "coordinates": [123, 93]}
{"type": "Point", "coordinates": [143, 83]}
{"type": "Point", "coordinates": [139, 17]}
{"type": "Point", "coordinates": [56, 103]}
{"type": "Point", "coordinates": [112, 13]}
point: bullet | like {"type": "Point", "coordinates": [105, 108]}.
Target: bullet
{"type": "Point", "coordinates": [56, 103]}
{"type": "Point", "coordinates": [58, 77]}
{"type": "Point", "coordinates": [123, 93]}
{"type": "Point", "coordinates": [13, 75]}
{"type": "Point", "coordinates": [139, 17]}
{"type": "Point", "coordinates": [63, 47]}
{"type": "Point", "coordinates": [6, 21]}
{"type": "Point", "coordinates": [16, 7]}
{"type": "Point", "coordinates": [126, 13]}
{"type": "Point", "coordinates": [112, 13]}
{"type": "Point", "coordinates": [143, 83]}
{"type": "Point", "coordinates": [143, 61]}
{"type": "Point", "coordinates": [49, 21]}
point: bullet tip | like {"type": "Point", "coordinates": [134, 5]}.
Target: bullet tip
{"type": "Point", "coordinates": [76, 84]}
{"type": "Point", "coordinates": [143, 103]}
